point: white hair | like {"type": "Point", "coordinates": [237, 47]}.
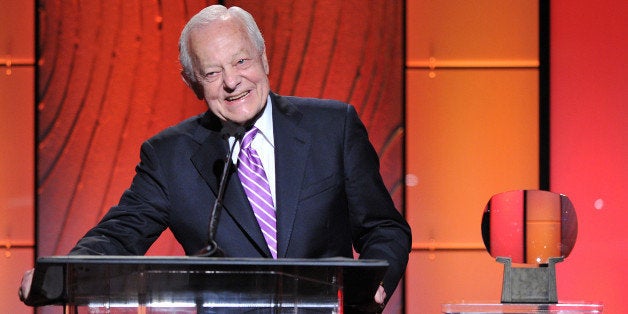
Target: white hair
{"type": "Point", "coordinates": [208, 15]}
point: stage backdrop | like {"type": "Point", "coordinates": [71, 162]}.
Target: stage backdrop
{"type": "Point", "coordinates": [108, 78]}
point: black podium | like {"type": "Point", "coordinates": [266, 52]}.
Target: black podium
{"type": "Point", "coordinates": [120, 284]}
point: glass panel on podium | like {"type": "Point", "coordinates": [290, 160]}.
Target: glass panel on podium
{"type": "Point", "coordinates": [205, 285]}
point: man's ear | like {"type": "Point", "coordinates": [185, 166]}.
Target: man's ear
{"type": "Point", "coordinates": [196, 87]}
{"type": "Point", "coordinates": [265, 62]}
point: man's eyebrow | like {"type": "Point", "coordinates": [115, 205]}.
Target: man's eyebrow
{"type": "Point", "coordinates": [239, 53]}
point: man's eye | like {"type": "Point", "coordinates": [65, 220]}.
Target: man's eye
{"type": "Point", "coordinates": [210, 76]}
{"type": "Point", "coordinates": [241, 61]}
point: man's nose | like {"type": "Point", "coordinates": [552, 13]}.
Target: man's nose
{"type": "Point", "coordinates": [231, 79]}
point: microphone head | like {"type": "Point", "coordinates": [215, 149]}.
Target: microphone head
{"type": "Point", "coordinates": [230, 129]}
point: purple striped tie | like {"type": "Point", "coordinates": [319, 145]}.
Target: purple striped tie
{"type": "Point", "coordinates": [255, 183]}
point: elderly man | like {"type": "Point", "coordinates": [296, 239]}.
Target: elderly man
{"type": "Point", "coordinates": [307, 183]}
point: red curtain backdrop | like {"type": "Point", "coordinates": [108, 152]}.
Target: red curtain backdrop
{"type": "Point", "coordinates": [108, 78]}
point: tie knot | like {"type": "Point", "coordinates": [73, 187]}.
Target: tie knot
{"type": "Point", "coordinates": [248, 137]}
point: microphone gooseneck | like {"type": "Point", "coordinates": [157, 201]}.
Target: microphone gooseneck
{"type": "Point", "coordinates": [229, 129]}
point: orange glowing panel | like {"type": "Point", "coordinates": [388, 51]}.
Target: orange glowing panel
{"type": "Point", "coordinates": [470, 134]}
{"type": "Point", "coordinates": [472, 32]}
{"type": "Point", "coordinates": [17, 165]}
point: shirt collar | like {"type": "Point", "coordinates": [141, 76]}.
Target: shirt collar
{"type": "Point", "coordinates": [265, 123]}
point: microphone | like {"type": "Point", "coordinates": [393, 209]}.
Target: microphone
{"type": "Point", "coordinates": [229, 129]}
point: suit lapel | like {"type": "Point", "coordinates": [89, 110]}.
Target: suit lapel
{"type": "Point", "coordinates": [291, 151]}
{"type": "Point", "coordinates": [209, 159]}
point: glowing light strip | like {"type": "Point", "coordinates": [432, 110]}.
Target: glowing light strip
{"type": "Point", "coordinates": [329, 305]}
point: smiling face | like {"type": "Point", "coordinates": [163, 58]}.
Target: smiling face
{"type": "Point", "coordinates": [231, 74]}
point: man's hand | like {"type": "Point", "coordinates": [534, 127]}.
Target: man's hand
{"type": "Point", "coordinates": [25, 288]}
{"type": "Point", "coordinates": [380, 295]}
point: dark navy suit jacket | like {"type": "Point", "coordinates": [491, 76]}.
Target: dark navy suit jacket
{"type": "Point", "coordinates": [330, 194]}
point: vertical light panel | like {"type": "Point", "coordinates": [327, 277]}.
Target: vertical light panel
{"type": "Point", "coordinates": [471, 134]}
{"type": "Point", "coordinates": [589, 145]}
{"type": "Point", "coordinates": [472, 118]}
{"type": "Point", "coordinates": [17, 151]}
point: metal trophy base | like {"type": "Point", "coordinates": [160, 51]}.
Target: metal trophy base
{"type": "Point", "coordinates": [529, 285]}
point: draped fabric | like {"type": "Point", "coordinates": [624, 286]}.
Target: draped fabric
{"type": "Point", "coordinates": [108, 78]}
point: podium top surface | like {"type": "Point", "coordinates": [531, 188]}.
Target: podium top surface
{"type": "Point", "coordinates": [205, 261]}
